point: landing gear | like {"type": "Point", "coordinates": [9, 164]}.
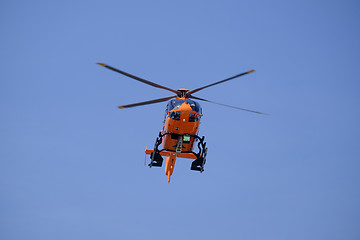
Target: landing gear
{"type": "Point", "coordinates": [196, 165]}
{"type": "Point", "coordinates": [156, 158]}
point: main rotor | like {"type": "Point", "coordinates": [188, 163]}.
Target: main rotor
{"type": "Point", "coordinates": [181, 92]}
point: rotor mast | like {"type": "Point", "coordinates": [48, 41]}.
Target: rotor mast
{"type": "Point", "coordinates": [182, 92]}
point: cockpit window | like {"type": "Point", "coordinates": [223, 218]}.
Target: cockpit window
{"type": "Point", "coordinates": [175, 115]}
{"type": "Point", "coordinates": [193, 117]}
{"type": "Point", "coordinates": [174, 104]}
{"type": "Point", "coordinates": [195, 106]}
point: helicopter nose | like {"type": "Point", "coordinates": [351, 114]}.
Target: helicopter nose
{"type": "Point", "coordinates": [185, 107]}
{"type": "Point", "coordinates": [184, 110]}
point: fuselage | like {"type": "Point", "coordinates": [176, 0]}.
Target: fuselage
{"type": "Point", "coordinates": [182, 119]}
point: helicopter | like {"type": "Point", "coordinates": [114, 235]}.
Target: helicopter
{"type": "Point", "coordinates": [179, 135]}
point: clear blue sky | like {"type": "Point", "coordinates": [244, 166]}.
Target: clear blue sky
{"type": "Point", "coordinates": [71, 163]}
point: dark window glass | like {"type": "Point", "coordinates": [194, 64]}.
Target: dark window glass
{"type": "Point", "coordinates": [193, 117]}
{"type": "Point", "coordinates": [174, 104]}
{"type": "Point", "coordinates": [174, 115]}
{"type": "Point", "coordinates": [195, 106]}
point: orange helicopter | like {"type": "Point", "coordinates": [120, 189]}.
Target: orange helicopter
{"type": "Point", "coordinates": [181, 125]}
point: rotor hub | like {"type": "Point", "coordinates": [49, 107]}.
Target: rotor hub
{"type": "Point", "coordinates": [182, 92]}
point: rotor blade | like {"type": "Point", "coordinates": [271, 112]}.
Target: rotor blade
{"type": "Point", "coordinates": [137, 78]}
{"type": "Point", "coordinates": [210, 85]}
{"type": "Point", "coordinates": [147, 102]}
{"type": "Point", "coordinates": [226, 105]}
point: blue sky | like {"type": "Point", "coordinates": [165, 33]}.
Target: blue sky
{"type": "Point", "coordinates": [71, 163]}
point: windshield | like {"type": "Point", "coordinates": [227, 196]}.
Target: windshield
{"type": "Point", "coordinates": [176, 103]}
{"type": "Point", "coordinates": [195, 106]}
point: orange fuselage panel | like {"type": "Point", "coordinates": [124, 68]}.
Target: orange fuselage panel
{"type": "Point", "coordinates": [185, 123]}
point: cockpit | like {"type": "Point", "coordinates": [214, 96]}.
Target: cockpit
{"type": "Point", "coordinates": [176, 103]}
